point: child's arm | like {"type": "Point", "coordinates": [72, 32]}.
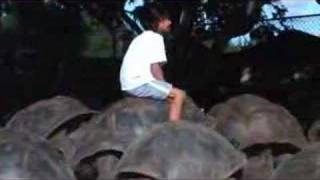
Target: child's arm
{"type": "Point", "coordinates": [157, 72]}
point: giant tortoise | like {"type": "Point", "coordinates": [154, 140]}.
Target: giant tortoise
{"type": "Point", "coordinates": [45, 116]}
{"type": "Point", "coordinates": [304, 165]}
{"type": "Point", "coordinates": [125, 120]}
{"type": "Point", "coordinates": [183, 150]}
{"type": "Point", "coordinates": [112, 131]}
{"type": "Point", "coordinates": [59, 119]}
{"type": "Point", "coordinates": [23, 157]}
{"type": "Point", "coordinates": [248, 120]}
{"type": "Point", "coordinates": [257, 126]}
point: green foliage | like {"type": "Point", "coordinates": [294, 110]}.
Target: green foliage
{"type": "Point", "coordinates": [98, 40]}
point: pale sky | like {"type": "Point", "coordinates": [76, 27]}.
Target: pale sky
{"type": "Point", "coordinates": [300, 8]}
{"type": "Point", "coordinates": [297, 7]}
{"type": "Point", "coordinates": [309, 25]}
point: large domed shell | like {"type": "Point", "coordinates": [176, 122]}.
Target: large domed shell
{"type": "Point", "coordinates": [246, 103]}
{"type": "Point", "coordinates": [43, 117]}
{"type": "Point", "coordinates": [126, 120]}
{"type": "Point", "coordinates": [304, 165]}
{"type": "Point", "coordinates": [23, 157]}
{"type": "Point", "coordinates": [248, 120]}
{"type": "Point", "coordinates": [180, 150]}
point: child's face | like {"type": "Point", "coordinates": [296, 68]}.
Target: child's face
{"type": "Point", "coordinates": [164, 25]}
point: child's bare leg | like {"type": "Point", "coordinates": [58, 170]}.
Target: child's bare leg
{"type": "Point", "coordinates": [177, 97]}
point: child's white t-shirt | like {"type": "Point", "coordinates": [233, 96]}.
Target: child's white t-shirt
{"type": "Point", "coordinates": [146, 49]}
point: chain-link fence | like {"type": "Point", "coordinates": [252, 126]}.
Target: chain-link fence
{"type": "Point", "coordinates": [307, 23]}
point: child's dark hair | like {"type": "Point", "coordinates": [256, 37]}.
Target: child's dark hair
{"type": "Point", "coordinates": [150, 14]}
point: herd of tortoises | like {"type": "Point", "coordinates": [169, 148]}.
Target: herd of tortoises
{"type": "Point", "coordinates": [245, 138]}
